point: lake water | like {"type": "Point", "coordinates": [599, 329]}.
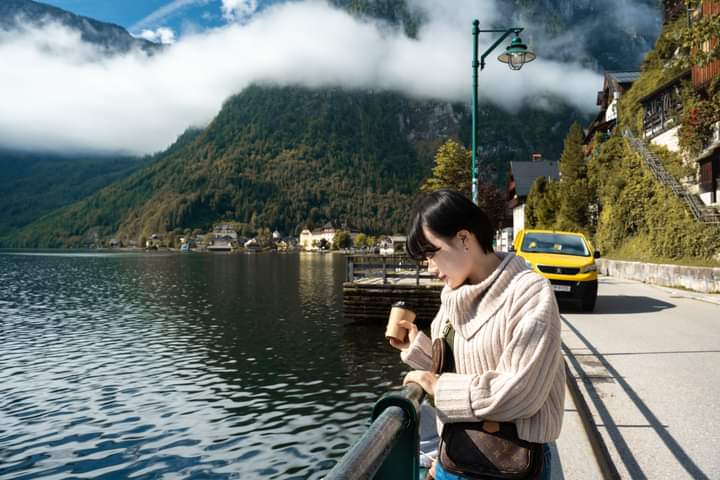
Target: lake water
{"type": "Point", "coordinates": [141, 366]}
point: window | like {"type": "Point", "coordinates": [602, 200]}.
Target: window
{"type": "Point", "coordinates": [559, 243]}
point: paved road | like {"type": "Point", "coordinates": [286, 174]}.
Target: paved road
{"type": "Point", "coordinates": [650, 362]}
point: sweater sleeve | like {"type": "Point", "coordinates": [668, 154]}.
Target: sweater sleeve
{"type": "Point", "coordinates": [528, 363]}
{"type": "Point", "coordinates": [419, 354]}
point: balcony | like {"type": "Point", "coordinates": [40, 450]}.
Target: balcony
{"type": "Point", "coordinates": [663, 107]}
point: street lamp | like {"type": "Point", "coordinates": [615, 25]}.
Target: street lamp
{"type": "Point", "coordinates": [516, 55]}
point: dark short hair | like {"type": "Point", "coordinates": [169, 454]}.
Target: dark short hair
{"type": "Point", "coordinates": [446, 212]}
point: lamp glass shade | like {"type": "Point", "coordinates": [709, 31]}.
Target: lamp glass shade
{"type": "Point", "coordinates": [516, 54]}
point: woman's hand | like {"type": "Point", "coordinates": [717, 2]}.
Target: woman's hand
{"type": "Point", "coordinates": [412, 333]}
{"type": "Point", "coordinates": [427, 380]}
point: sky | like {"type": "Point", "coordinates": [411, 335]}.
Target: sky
{"type": "Point", "coordinates": [60, 94]}
{"type": "Point", "coordinates": [180, 16]}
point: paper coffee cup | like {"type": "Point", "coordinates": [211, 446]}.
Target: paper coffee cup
{"type": "Point", "coordinates": [399, 311]}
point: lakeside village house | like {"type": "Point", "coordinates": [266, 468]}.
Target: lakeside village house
{"type": "Point", "coordinates": [224, 238]}
{"type": "Point", "coordinates": [660, 127]}
{"type": "Point", "coordinates": [321, 238]}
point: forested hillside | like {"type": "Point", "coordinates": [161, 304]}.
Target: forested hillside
{"type": "Point", "coordinates": [33, 184]}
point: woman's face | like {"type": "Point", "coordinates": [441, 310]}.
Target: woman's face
{"type": "Point", "coordinates": [452, 263]}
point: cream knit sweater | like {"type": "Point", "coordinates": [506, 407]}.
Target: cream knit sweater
{"type": "Point", "coordinates": [507, 353]}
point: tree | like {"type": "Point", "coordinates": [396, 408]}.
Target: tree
{"type": "Point", "coordinates": [451, 170]}
{"type": "Point", "coordinates": [361, 240]}
{"type": "Point", "coordinates": [492, 202]}
{"type": "Point", "coordinates": [541, 204]}
{"type": "Point", "coordinates": [341, 239]}
{"type": "Point", "coordinates": [264, 236]}
{"type": "Point", "coordinates": [575, 195]}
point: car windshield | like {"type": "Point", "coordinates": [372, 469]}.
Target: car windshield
{"type": "Point", "coordinates": [559, 243]}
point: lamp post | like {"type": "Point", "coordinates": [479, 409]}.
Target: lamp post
{"type": "Point", "coordinates": [516, 55]}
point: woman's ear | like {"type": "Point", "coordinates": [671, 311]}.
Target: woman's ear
{"type": "Point", "coordinates": [464, 236]}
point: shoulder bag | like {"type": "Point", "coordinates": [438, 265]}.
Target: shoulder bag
{"type": "Point", "coordinates": [482, 449]}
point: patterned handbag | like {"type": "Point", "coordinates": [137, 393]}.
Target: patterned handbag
{"type": "Point", "coordinates": [483, 449]}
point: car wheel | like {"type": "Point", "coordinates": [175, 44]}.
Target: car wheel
{"type": "Point", "coordinates": [588, 303]}
{"type": "Point", "coordinates": [588, 295]}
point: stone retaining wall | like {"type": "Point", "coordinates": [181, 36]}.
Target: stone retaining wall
{"type": "Point", "coordinates": [700, 279]}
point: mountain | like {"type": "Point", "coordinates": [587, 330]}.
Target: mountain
{"type": "Point", "coordinates": [287, 157]}
{"type": "Point", "coordinates": [607, 35]}
{"type": "Point", "coordinates": [281, 158]}
{"type": "Point", "coordinates": [264, 161]}
{"type": "Point", "coordinates": [109, 37]}
{"type": "Point", "coordinates": [33, 184]}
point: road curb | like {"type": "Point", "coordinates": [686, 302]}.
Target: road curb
{"type": "Point", "coordinates": [599, 448]}
{"type": "Point", "coordinates": [701, 297]}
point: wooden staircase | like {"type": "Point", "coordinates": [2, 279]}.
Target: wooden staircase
{"type": "Point", "coordinates": [702, 213]}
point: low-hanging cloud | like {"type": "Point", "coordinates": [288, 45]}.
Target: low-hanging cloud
{"type": "Point", "coordinates": [162, 35]}
{"type": "Point", "coordinates": [58, 93]}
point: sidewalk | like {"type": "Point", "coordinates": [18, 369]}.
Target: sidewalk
{"type": "Point", "coordinates": [572, 454]}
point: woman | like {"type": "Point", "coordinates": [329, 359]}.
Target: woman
{"type": "Point", "coordinates": [506, 346]}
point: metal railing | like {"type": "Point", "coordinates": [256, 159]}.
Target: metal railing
{"type": "Point", "coordinates": [390, 448]}
{"type": "Point", "coordinates": [385, 267]}
{"type": "Point", "coordinates": [696, 206]}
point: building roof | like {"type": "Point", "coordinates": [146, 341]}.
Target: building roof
{"type": "Point", "coordinates": [525, 173]}
{"type": "Point", "coordinates": [675, 80]}
{"type": "Point", "coordinates": [624, 77]}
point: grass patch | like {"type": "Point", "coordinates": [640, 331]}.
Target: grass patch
{"type": "Point", "coordinates": [636, 250]}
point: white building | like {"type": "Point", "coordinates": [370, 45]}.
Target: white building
{"type": "Point", "coordinates": [311, 240]}
{"type": "Point", "coordinates": [225, 230]}
{"type": "Point", "coordinates": [392, 244]}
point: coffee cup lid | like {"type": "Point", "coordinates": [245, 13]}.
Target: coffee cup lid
{"type": "Point", "coordinates": [404, 304]}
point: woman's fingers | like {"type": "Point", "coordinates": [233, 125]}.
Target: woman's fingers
{"type": "Point", "coordinates": [407, 325]}
{"type": "Point", "coordinates": [411, 328]}
{"type": "Point", "coordinates": [427, 380]}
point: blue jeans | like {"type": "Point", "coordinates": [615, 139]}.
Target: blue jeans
{"type": "Point", "coordinates": [441, 474]}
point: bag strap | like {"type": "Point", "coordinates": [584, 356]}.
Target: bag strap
{"type": "Point", "coordinates": [448, 335]}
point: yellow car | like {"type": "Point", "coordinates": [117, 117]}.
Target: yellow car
{"type": "Point", "coordinates": [566, 259]}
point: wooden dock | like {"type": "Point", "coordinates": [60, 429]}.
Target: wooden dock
{"type": "Point", "coordinates": [374, 282]}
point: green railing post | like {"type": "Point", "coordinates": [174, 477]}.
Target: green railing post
{"type": "Point", "coordinates": [390, 448]}
{"type": "Point", "coordinates": [403, 462]}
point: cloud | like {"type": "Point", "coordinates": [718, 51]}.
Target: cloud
{"type": "Point", "coordinates": [60, 93]}
{"type": "Point", "coordinates": [163, 35]}
{"type": "Point", "coordinates": [233, 10]}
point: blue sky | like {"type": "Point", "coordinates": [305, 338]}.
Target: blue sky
{"type": "Point", "coordinates": [179, 15]}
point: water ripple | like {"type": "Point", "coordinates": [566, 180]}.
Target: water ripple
{"type": "Point", "coordinates": [181, 366]}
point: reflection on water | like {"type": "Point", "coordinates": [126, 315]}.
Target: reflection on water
{"type": "Point", "coordinates": [192, 366]}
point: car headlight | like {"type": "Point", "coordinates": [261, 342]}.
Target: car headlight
{"type": "Point", "coordinates": [588, 268]}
